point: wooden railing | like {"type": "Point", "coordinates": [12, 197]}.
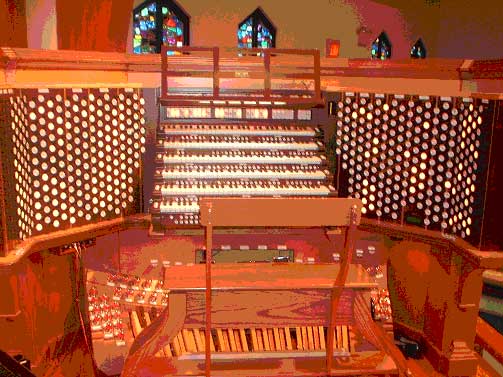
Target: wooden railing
{"type": "Point", "coordinates": [21, 67]}
{"type": "Point", "coordinates": [489, 340]}
{"type": "Point", "coordinates": [439, 276]}
{"type": "Point", "coordinates": [38, 268]}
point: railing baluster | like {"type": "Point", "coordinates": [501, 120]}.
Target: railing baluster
{"type": "Point", "coordinates": [317, 79]}
{"type": "Point", "coordinates": [267, 78]}
{"type": "Point", "coordinates": [216, 72]}
{"type": "Point", "coordinates": [164, 70]}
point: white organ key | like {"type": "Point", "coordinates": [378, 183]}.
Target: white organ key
{"type": "Point", "coordinates": [175, 207]}
{"type": "Point", "coordinates": [254, 174]}
{"type": "Point", "coordinates": [306, 146]}
{"type": "Point", "coordinates": [239, 189]}
{"type": "Point", "coordinates": [235, 159]}
{"type": "Point", "coordinates": [259, 130]}
{"type": "Point", "coordinates": [242, 159]}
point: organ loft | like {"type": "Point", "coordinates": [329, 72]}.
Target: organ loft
{"type": "Point", "coordinates": [250, 188]}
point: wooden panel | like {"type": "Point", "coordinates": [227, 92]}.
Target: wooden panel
{"type": "Point", "coordinates": [480, 259]}
{"type": "Point", "coordinates": [13, 31]}
{"type": "Point", "coordinates": [489, 339]}
{"type": "Point", "coordinates": [76, 234]}
{"type": "Point", "coordinates": [265, 276]}
{"type": "Point", "coordinates": [95, 25]}
{"type": "Point", "coordinates": [232, 309]}
{"type": "Point", "coordinates": [9, 304]}
{"type": "Point", "coordinates": [302, 212]}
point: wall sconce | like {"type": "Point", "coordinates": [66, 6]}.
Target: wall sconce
{"type": "Point", "coordinates": [332, 48]}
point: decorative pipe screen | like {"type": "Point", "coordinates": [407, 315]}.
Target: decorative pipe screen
{"type": "Point", "coordinates": [70, 156]}
{"type": "Point", "coordinates": [415, 154]}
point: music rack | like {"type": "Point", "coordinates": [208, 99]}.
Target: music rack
{"type": "Point", "coordinates": [214, 64]}
{"type": "Point", "coordinates": [255, 141]}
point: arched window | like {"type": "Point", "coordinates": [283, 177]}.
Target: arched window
{"type": "Point", "coordinates": [381, 47]}
{"type": "Point", "coordinates": [256, 30]}
{"type": "Point", "coordinates": [157, 23]}
{"type": "Point", "coordinates": [418, 51]}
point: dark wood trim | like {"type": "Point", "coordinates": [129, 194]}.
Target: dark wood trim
{"type": "Point", "coordinates": [478, 258]}
{"type": "Point", "coordinates": [76, 234]}
{"type": "Point", "coordinates": [209, 259]}
{"type": "Point", "coordinates": [431, 68]}
{"type": "Point", "coordinates": [489, 339]}
{"type": "Point", "coordinates": [338, 286]}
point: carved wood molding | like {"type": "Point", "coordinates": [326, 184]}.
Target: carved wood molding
{"type": "Point", "coordinates": [24, 58]}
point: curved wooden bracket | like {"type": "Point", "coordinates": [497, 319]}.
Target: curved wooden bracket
{"type": "Point", "coordinates": [162, 331]}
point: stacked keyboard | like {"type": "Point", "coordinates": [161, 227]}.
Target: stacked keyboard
{"type": "Point", "coordinates": [234, 159]}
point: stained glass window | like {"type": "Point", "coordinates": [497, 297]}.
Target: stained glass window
{"type": "Point", "coordinates": [245, 34]}
{"type": "Point", "coordinates": [156, 23]}
{"type": "Point", "coordinates": [172, 28]}
{"type": "Point", "coordinates": [264, 36]}
{"type": "Point", "coordinates": [381, 47]}
{"type": "Point", "coordinates": [418, 51]}
{"type": "Point", "coordinates": [144, 40]}
{"type": "Point", "coordinates": [256, 30]}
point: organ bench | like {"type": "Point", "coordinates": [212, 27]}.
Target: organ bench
{"type": "Point", "coordinates": [274, 318]}
{"type": "Point", "coordinates": [265, 317]}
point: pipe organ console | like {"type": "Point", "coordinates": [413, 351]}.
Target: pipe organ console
{"type": "Point", "coordinates": [353, 282]}
{"type": "Point", "coordinates": [199, 159]}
